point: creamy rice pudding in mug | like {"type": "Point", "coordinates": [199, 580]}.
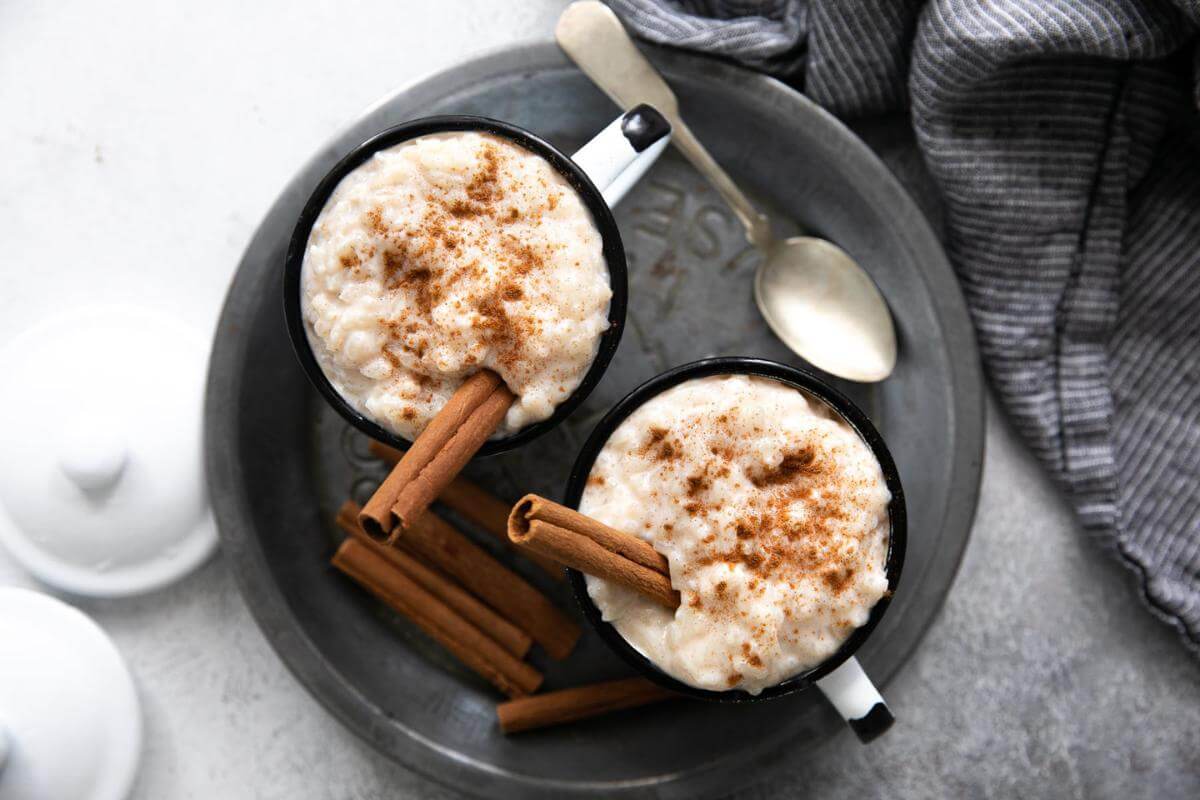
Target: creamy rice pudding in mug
{"type": "Point", "coordinates": [444, 255]}
{"type": "Point", "coordinates": [456, 247]}
{"type": "Point", "coordinates": [773, 513]}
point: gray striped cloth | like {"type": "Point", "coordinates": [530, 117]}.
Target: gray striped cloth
{"type": "Point", "coordinates": [1063, 135]}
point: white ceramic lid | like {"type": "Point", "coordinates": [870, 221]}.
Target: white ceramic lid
{"type": "Point", "coordinates": [69, 716]}
{"type": "Point", "coordinates": [101, 484]}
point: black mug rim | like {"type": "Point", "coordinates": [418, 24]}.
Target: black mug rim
{"type": "Point", "coordinates": [612, 247]}
{"type": "Point", "coordinates": [792, 376]}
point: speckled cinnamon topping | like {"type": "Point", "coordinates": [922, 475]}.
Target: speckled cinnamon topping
{"type": "Point", "coordinates": [773, 515]}
{"type": "Point", "coordinates": [446, 255]}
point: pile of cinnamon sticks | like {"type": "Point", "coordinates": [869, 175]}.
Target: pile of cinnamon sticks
{"type": "Point", "coordinates": [455, 591]}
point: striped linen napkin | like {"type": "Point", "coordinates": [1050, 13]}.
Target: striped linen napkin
{"type": "Point", "coordinates": [1064, 137]}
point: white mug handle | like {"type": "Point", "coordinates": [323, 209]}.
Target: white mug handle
{"type": "Point", "coordinates": [620, 154]}
{"type": "Point", "coordinates": [858, 701]}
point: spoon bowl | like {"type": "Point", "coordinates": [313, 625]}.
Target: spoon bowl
{"type": "Point", "coordinates": [823, 306]}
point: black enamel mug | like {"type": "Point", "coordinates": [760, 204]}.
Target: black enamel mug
{"type": "Point", "coordinates": [839, 677]}
{"type": "Point", "coordinates": [602, 171]}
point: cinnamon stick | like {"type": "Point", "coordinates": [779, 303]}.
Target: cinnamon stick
{"type": "Point", "coordinates": [506, 634]}
{"type": "Point", "coordinates": [415, 497]}
{"type": "Point", "coordinates": [583, 702]}
{"type": "Point", "coordinates": [478, 505]}
{"type": "Point", "coordinates": [437, 542]}
{"type": "Point", "coordinates": [582, 543]}
{"type": "Point", "coordinates": [471, 646]}
{"type": "Point", "coordinates": [463, 424]}
{"type": "Point", "coordinates": [506, 591]}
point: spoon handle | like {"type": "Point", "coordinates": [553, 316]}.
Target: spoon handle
{"type": "Point", "coordinates": [590, 33]}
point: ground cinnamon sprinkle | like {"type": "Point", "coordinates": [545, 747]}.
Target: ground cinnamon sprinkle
{"type": "Point", "coordinates": [751, 657]}
{"type": "Point", "coordinates": [394, 261]}
{"type": "Point", "coordinates": [391, 357]}
{"type": "Point", "coordinates": [484, 186]}
{"type": "Point", "coordinates": [662, 449]}
{"type": "Point", "coordinates": [375, 224]}
{"type": "Point", "coordinates": [522, 259]}
{"type": "Point", "coordinates": [425, 290]}
{"type": "Point", "coordinates": [838, 579]}
{"type": "Point", "coordinates": [462, 209]}
{"type": "Point", "coordinates": [793, 465]}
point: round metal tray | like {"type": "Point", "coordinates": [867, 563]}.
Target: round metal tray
{"type": "Point", "coordinates": [280, 461]}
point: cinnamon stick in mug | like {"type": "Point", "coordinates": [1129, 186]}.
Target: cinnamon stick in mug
{"type": "Point", "coordinates": [448, 442]}
{"type": "Point", "coordinates": [506, 634]}
{"type": "Point", "coordinates": [582, 702]}
{"type": "Point", "coordinates": [478, 505]}
{"type": "Point", "coordinates": [471, 646]}
{"type": "Point", "coordinates": [580, 542]}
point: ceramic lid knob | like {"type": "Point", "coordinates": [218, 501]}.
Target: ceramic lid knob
{"type": "Point", "coordinates": [102, 482]}
{"type": "Point", "coordinates": [93, 460]}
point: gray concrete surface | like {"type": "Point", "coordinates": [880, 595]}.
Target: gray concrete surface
{"type": "Point", "coordinates": [161, 135]}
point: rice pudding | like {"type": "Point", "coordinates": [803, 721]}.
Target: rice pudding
{"type": "Point", "coordinates": [449, 254]}
{"type": "Point", "coordinates": [773, 514]}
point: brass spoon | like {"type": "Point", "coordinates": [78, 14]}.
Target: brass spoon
{"type": "Point", "coordinates": [815, 297]}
